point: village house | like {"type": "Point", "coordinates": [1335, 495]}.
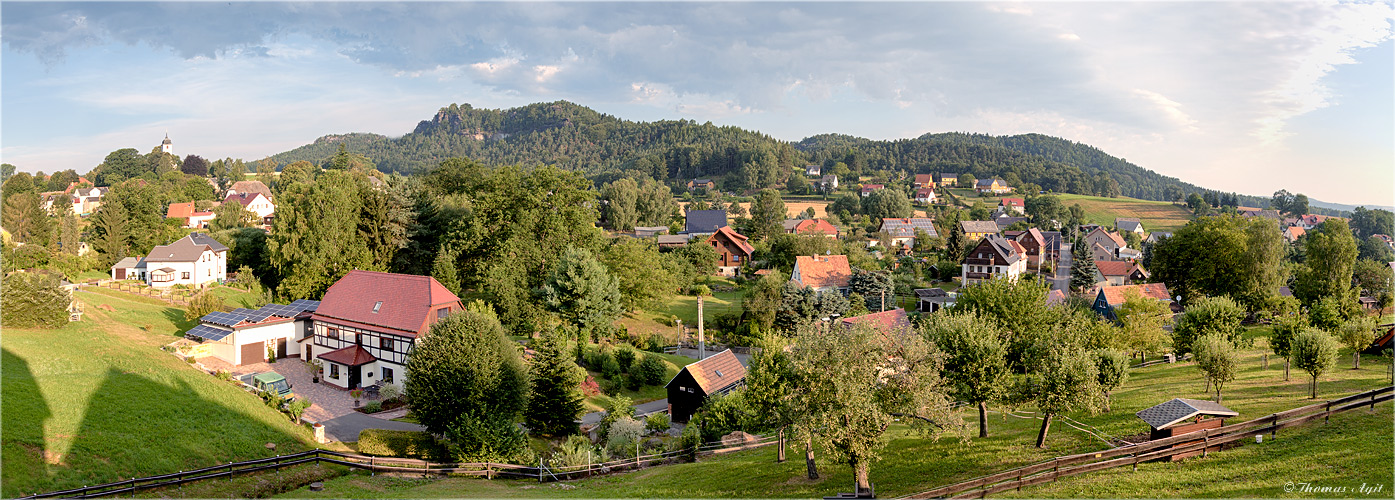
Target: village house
{"type": "Point", "coordinates": [1247, 213]}
{"type": "Point", "coordinates": [707, 184]}
{"type": "Point", "coordinates": [992, 186]}
{"type": "Point", "coordinates": [1111, 297]}
{"type": "Point", "coordinates": [690, 388]}
{"type": "Point", "coordinates": [1035, 244]}
{"type": "Point", "coordinates": [256, 203]}
{"type": "Point", "coordinates": [1018, 205]}
{"type": "Point", "coordinates": [1157, 236]}
{"type": "Point", "coordinates": [1130, 225]}
{"type": "Point", "coordinates": [925, 195]}
{"type": "Point", "coordinates": [892, 320]}
{"type": "Point", "coordinates": [949, 180]}
{"type": "Point", "coordinates": [995, 256]}
{"type": "Point", "coordinates": [704, 222]}
{"type": "Point", "coordinates": [249, 187]}
{"type": "Point", "coordinates": [923, 181]}
{"type": "Point", "coordinates": [1104, 245]}
{"type": "Point", "coordinates": [868, 188]}
{"type": "Point", "coordinates": [1292, 233]}
{"type": "Point", "coordinates": [671, 241]}
{"type": "Point", "coordinates": [823, 273]}
{"type": "Point", "coordinates": [813, 170]}
{"type": "Point", "coordinates": [810, 227]}
{"type": "Point", "coordinates": [978, 229]}
{"type": "Point", "coordinates": [246, 336]}
{"type": "Point", "coordinates": [1118, 273]}
{"type": "Point", "coordinates": [732, 250]}
{"type": "Point", "coordinates": [829, 182]}
{"type": "Point", "coordinates": [193, 219]}
{"type": "Point", "coordinates": [902, 230]}
{"type": "Point", "coordinates": [193, 260]}
{"type": "Point", "coordinates": [1312, 221]}
{"type": "Point", "coordinates": [368, 322]}
{"type": "Point", "coordinates": [1005, 221]}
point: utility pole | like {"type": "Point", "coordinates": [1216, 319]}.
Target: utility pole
{"type": "Point", "coordinates": [702, 345]}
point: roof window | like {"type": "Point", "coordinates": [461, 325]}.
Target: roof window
{"type": "Point", "coordinates": [719, 373]}
{"type": "Point", "coordinates": [377, 305]}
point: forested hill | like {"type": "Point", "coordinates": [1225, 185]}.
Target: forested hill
{"type": "Point", "coordinates": [579, 138]}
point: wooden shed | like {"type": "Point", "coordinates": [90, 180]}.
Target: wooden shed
{"type": "Point", "coordinates": [1180, 416]}
{"type": "Point", "coordinates": [715, 375]}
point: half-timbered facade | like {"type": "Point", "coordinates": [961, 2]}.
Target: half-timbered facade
{"type": "Point", "coordinates": [368, 323]}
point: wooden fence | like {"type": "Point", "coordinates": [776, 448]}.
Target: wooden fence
{"type": "Point", "coordinates": [1202, 441]}
{"type": "Point", "coordinates": [489, 470]}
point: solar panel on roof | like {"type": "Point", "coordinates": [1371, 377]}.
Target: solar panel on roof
{"type": "Point", "coordinates": [222, 318]}
{"type": "Point", "coordinates": [258, 316]}
{"type": "Point", "coordinates": [242, 311]}
{"type": "Point", "coordinates": [208, 332]}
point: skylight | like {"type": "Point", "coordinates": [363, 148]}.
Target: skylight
{"type": "Point", "coordinates": [719, 373]}
{"type": "Point", "coordinates": [377, 305]}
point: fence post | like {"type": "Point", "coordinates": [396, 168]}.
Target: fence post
{"type": "Point", "coordinates": [1373, 400]}
{"type": "Point", "coordinates": [489, 470]}
{"type": "Point", "coordinates": [230, 472]}
{"type": "Point", "coordinates": [540, 470]}
{"type": "Point", "coordinates": [1328, 414]}
{"type": "Point", "coordinates": [372, 472]}
{"type": "Point", "coordinates": [1205, 442]}
{"type": "Point", "coordinates": [1264, 358]}
{"type": "Point", "coordinates": [1274, 427]}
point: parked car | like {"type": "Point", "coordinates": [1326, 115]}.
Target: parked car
{"type": "Point", "coordinates": [269, 382]}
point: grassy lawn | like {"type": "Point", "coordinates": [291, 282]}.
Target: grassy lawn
{"type": "Point", "coordinates": [236, 297]}
{"type": "Point", "coordinates": [912, 462]}
{"type": "Point", "coordinates": [97, 401]}
{"type": "Point", "coordinates": [673, 363]}
{"type": "Point", "coordinates": [1156, 215]}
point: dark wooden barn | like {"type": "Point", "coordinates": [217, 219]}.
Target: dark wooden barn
{"type": "Point", "coordinates": [717, 374]}
{"type": "Point", "coordinates": [1180, 416]}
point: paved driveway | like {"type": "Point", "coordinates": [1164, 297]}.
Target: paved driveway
{"type": "Point", "coordinates": [347, 427]}
{"type": "Point", "coordinates": [641, 410]}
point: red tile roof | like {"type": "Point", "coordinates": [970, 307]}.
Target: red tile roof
{"type": "Point", "coordinates": [408, 302]}
{"type": "Point", "coordinates": [885, 322]}
{"type": "Point", "coordinates": [1013, 202]}
{"type": "Point", "coordinates": [867, 188]}
{"type": "Point", "coordinates": [717, 372]}
{"type": "Point", "coordinates": [180, 210]}
{"type": "Point", "coordinates": [823, 270]}
{"type": "Point", "coordinates": [1115, 294]}
{"type": "Point", "coordinates": [816, 226]}
{"type": "Point", "coordinates": [1055, 297]}
{"type": "Point", "coordinates": [1114, 268]}
{"type": "Point", "coordinates": [242, 198]}
{"type": "Point", "coordinates": [737, 238]}
{"type": "Point", "coordinates": [349, 356]}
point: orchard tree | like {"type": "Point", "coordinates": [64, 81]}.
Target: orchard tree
{"type": "Point", "coordinates": [1144, 321]}
{"type": "Point", "coordinates": [582, 291]}
{"type": "Point", "coordinates": [1208, 316]}
{"type": "Point", "coordinates": [975, 359]}
{"type": "Point", "coordinates": [856, 382]}
{"type": "Point", "coordinates": [1357, 333]}
{"type": "Point", "coordinates": [1284, 329]}
{"type": "Point", "coordinates": [1065, 378]}
{"type": "Point", "coordinates": [1216, 357]}
{"type": "Point", "coordinates": [1113, 368]}
{"type": "Point", "coordinates": [639, 270]}
{"type": "Point", "coordinates": [556, 401]}
{"type": "Point", "coordinates": [1315, 352]}
{"type": "Point", "coordinates": [771, 390]}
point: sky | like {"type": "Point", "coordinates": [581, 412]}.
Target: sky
{"type": "Point", "coordinates": [1250, 97]}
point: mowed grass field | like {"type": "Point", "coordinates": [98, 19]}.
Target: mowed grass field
{"type": "Point", "coordinates": [1156, 215]}
{"type": "Point", "coordinates": [98, 401]}
{"type": "Point", "coordinates": [1352, 448]}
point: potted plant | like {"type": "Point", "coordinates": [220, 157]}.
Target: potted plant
{"type": "Point", "coordinates": [315, 369]}
{"type": "Point", "coordinates": [357, 394]}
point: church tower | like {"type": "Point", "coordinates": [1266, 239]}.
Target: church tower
{"type": "Point", "coordinates": [166, 146]}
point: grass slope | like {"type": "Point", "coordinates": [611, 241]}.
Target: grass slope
{"type": "Point", "coordinates": [1156, 215]}
{"type": "Point", "coordinates": [912, 462]}
{"type": "Point", "coordinates": [97, 401]}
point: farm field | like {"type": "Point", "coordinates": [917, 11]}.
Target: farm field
{"type": "Point", "coordinates": [913, 462]}
{"type": "Point", "coordinates": [1156, 215]}
{"type": "Point", "coordinates": [98, 401]}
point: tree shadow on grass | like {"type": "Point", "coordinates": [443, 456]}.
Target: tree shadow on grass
{"type": "Point", "coordinates": [25, 411]}
{"type": "Point", "coordinates": [181, 325]}
{"type": "Point", "coordinates": [136, 427]}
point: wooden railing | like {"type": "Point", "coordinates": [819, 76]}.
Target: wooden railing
{"type": "Point", "coordinates": [490, 470]}
{"type": "Point", "coordinates": [1202, 441]}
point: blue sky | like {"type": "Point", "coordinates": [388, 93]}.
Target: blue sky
{"type": "Point", "coordinates": [1247, 97]}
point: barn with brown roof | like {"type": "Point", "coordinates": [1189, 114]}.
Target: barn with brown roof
{"type": "Point", "coordinates": [715, 375]}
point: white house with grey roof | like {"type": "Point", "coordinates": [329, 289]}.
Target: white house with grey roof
{"type": "Point", "coordinates": [194, 260]}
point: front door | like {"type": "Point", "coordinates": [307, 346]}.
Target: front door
{"type": "Point", "coordinates": [280, 348]}
{"type": "Point", "coordinates": [354, 376]}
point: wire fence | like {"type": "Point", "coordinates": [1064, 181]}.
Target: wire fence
{"type": "Point", "coordinates": [405, 466]}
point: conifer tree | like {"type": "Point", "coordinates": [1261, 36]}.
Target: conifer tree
{"type": "Point", "coordinates": [1083, 273]}
{"type": "Point", "coordinates": [556, 400]}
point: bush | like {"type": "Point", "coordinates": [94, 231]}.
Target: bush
{"type": "Point", "coordinates": [575, 452]}
{"type": "Point", "coordinates": [617, 408]}
{"type": "Point", "coordinates": [625, 432]}
{"type": "Point", "coordinates": [632, 382]}
{"type": "Point", "coordinates": [373, 407]}
{"type": "Point", "coordinates": [690, 440]}
{"type": "Point", "coordinates": [297, 408]}
{"type": "Point", "coordinates": [1208, 316]}
{"type": "Point", "coordinates": [654, 343]}
{"type": "Point", "coordinates": [651, 370]}
{"type": "Point", "coordinates": [610, 368]}
{"type": "Point", "coordinates": [389, 392]}
{"type": "Point", "coordinates": [589, 387]}
{"type": "Point", "coordinates": [203, 303]}
{"type": "Point", "coordinates": [625, 357]}
{"type": "Point", "coordinates": [406, 444]}
{"type": "Point", "coordinates": [223, 375]}
{"type": "Point", "coordinates": [33, 300]}
{"type": "Point", "coordinates": [726, 413]}
{"type": "Point", "coordinates": [658, 422]}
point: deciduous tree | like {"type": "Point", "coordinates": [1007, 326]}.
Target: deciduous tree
{"type": "Point", "coordinates": [975, 359]}
{"type": "Point", "coordinates": [1208, 316]}
{"type": "Point", "coordinates": [1358, 333]}
{"type": "Point", "coordinates": [1065, 378]}
{"type": "Point", "coordinates": [1217, 359]}
{"type": "Point", "coordinates": [465, 367]}
{"type": "Point", "coordinates": [1313, 351]}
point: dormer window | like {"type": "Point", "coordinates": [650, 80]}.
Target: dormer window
{"type": "Point", "coordinates": [376, 306]}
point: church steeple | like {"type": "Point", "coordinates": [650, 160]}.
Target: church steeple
{"type": "Point", "coordinates": [167, 146]}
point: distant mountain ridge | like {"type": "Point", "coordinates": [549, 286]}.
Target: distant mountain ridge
{"type": "Point", "coordinates": [578, 138]}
